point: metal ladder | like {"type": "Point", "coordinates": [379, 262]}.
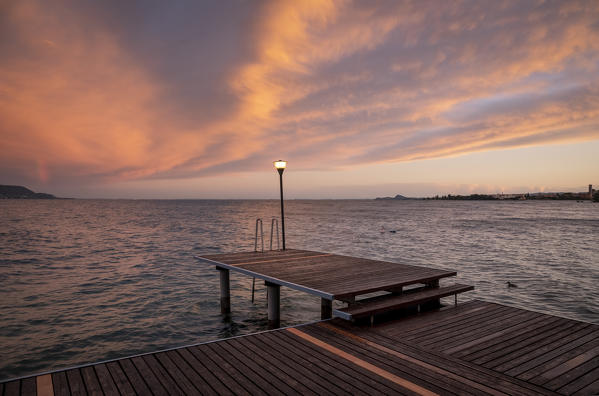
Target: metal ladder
{"type": "Point", "coordinates": [273, 224]}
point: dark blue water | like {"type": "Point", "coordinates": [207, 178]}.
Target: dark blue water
{"type": "Point", "coordinates": [88, 280]}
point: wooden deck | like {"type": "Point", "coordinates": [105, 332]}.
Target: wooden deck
{"type": "Point", "coordinates": [476, 348]}
{"type": "Point", "coordinates": [330, 276]}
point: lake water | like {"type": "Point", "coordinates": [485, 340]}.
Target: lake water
{"type": "Point", "coordinates": [89, 280]}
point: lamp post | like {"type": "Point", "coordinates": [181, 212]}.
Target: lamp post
{"type": "Point", "coordinates": [280, 166]}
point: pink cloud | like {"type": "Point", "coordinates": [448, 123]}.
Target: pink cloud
{"type": "Point", "coordinates": [99, 94]}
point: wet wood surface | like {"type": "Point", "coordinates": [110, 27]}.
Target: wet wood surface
{"type": "Point", "coordinates": [339, 277]}
{"type": "Point", "coordinates": [475, 348]}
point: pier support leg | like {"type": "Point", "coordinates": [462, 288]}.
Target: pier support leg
{"type": "Point", "coordinates": [434, 303]}
{"type": "Point", "coordinates": [274, 305]}
{"type": "Point", "coordinates": [225, 291]}
{"type": "Point", "coordinates": [326, 308]}
{"type": "Point", "coordinates": [397, 291]}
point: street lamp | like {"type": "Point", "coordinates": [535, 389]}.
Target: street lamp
{"type": "Point", "coordinates": [280, 166]}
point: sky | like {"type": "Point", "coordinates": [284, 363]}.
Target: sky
{"type": "Point", "coordinates": [187, 99]}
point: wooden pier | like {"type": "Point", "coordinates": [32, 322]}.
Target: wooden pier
{"type": "Point", "coordinates": [475, 348]}
{"type": "Point", "coordinates": [332, 277]}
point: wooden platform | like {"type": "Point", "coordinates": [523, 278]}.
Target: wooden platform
{"type": "Point", "coordinates": [330, 276]}
{"type": "Point", "coordinates": [381, 304]}
{"type": "Point", "coordinates": [476, 348]}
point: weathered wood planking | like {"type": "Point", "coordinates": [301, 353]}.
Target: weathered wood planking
{"type": "Point", "coordinates": [475, 348]}
{"type": "Point", "coordinates": [327, 275]}
{"type": "Point", "coordinates": [557, 354]}
{"type": "Point", "coordinates": [386, 303]}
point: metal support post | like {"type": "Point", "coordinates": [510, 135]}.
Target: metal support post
{"type": "Point", "coordinates": [274, 305]}
{"type": "Point", "coordinates": [225, 291]}
{"type": "Point", "coordinates": [326, 308]}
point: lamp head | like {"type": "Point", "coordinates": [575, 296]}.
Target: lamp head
{"type": "Point", "coordinates": [280, 165]}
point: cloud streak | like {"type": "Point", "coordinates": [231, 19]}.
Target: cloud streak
{"type": "Point", "coordinates": [110, 92]}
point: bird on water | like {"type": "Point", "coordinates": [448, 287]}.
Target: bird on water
{"type": "Point", "coordinates": [510, 284]}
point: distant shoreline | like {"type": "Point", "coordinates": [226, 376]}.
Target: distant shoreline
{"type": "Point", "coordinates": [559, 196]}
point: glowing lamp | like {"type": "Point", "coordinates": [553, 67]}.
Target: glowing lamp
{"type": "Point", "coordinates": [280, 165]}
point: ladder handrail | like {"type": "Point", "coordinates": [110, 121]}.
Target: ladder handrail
{"type": "Point", "coordinates": [272, 228]}
{"type": "Point", "coordinates": [259, 221]}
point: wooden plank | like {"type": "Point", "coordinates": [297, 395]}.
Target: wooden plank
{"type": "Point", "coordinates": [277, 281]}
{"type": "Point", "coordinates": [224, 376]}
{"type": "Point", "coordinates": [232, 256]}
{"type": "Point", "coordinates": [581, 382]}
{"type": "Point", "coordinates": [12, 388]}
{"type": "Point", "coordinates": [90, 379]}
{"type": "Point", "coordinates": [242, 255]}
{"type": "Point", "coordinates": [464, 336]}
{"type": "Point", "coordinates": [282, 261]}
{"type": "Point", "coordinates": [382, 284]}
{"type": "Point", "coordinates": [337, 276]}
{"type": "Point", "coordinates": [190, 373]}
{"type": "Point", "coordinates": [511, 341]}
{"type": "Point", "coordinates": [390, 302]}
{"type": "Point", "coordinates": [150, 378]}
{"type": "Point", "coordinates": [592, 389]}
{"type": "Point", "coordinates": [318, 267]}
{"type": "Point", "coordinates": [330, 364]}
{"type": "Point", "coordinates": [515, 363]}
{"type": "Point", "coordinates": [457, 328]}
{"type": "Point", "coordinates": [309, 378]}
{"type": "Point", "coordinates": [231, 366]}
{"type": "Point", "coordinates": [571, 371]}
{"type": "Point", "coordinates": [572, 363]}
{"type": "Point", "coordinates": [267, 258]}
{"type": "Point", "coordinates": [308, 271]}
{"type": "Point", "coordinates": [177, 375]}
{"type": "Point", "coordinates": [499, 330]}
{"type": "Point", "coordinates": [394, 363]}
{"type": "Point", "coordinates": [28, 387]}
{"type": "Point", "coordinates": [164, 376]}
{"type": "Point", "coordinates": [432, 320]}
{"type": "Point", "coordinates": [120, 379]}
{"type": "Point", "coordinates": [499, 381]}
{"type": "Point", "coordinates": [399, 381]}
{"type": "Point", "coordinates": [359, 277]}
{"type": "Point", "coordinates": [317, 370]}
{"type": "Point", "coordinates": [535, 375]}
{"type": "Point", "coordinates": [139, 385]}
{"type": "Point", "coordinates": [60, 383]}
{"type": "Point", "coordinates": [76, 385]}
{"type": "Point", "coordinates": [533, 339]}
{"type": "Point", "coordinates": [199, 368]}
{"type": "Point", "coordinates": [250, 370]}
{"type": "Point", "coordinates": [105, 380]}
{"type": "Point", "coordinates": [275, 371]}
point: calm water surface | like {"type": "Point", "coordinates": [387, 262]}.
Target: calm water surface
{"type": "Point", "coordinates": [90, 280]}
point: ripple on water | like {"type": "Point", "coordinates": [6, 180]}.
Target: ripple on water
{"type": "Point", "coordinates": [95, 280]}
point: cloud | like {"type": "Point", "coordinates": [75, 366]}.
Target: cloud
{"type": "Point", "coordinates": [112, 91]}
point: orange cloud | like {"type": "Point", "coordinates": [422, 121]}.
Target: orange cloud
{"type": "Point", "coordinates": [99, 94]}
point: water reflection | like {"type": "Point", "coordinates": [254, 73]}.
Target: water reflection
{"type": "Point", "coordinates": [96, 279]}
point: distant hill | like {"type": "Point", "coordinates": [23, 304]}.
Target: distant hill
{"type": "Point", "coordinates": [20, 192]}
{"type": "Point", "coordinates": [398, 196]}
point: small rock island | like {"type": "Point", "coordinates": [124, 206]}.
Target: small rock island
{"type": "Point", "coordinates": [20, 192]}
{"type": "Point", "coordinates": [398, 196]}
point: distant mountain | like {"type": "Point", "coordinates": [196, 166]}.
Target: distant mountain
{"type": "Point", "coordinates": [20, 192]}
{"type": "Point", "coordinates": [398, 196]}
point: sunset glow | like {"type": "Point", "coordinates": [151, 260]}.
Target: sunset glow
{"type": "Point", "coordinates": [113, 99]}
